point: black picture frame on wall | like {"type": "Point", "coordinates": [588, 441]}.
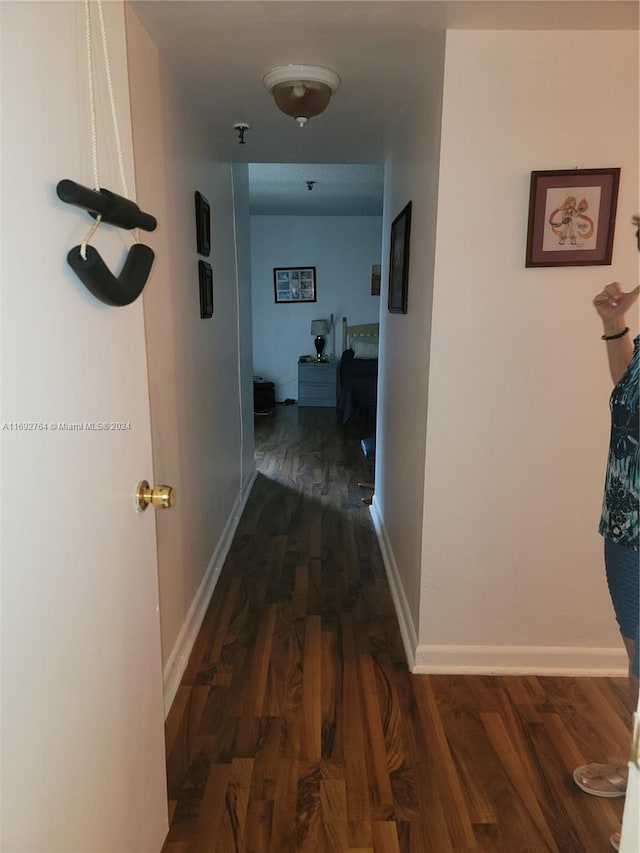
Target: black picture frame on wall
{"type": "Point", "coordinates": [203, 225]}
{"type": "Point", "coordinates": [399, 261]}
{"type": "Point", "coordinates": [294, 284]}
{"type": "Point", "coordinates": [205, 276]}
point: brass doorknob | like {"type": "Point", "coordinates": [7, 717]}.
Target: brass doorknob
{"type": "Point", "coordinates": [159, 497]}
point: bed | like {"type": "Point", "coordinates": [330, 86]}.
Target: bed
{"type": "Point", "coordinates": [358, 374]}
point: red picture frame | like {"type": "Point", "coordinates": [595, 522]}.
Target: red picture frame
{"type": "Point", "coordinates": [572, 215]}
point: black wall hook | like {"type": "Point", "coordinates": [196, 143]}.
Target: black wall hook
{"type": "Point", "coordinates": [114, 209]}
{"type": "Point", "coordinates": [99, 280]}
{"type": "Point", "coordinates": [92, 270]}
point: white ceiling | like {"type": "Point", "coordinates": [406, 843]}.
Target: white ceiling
{"type": "Point", "coordinates": [381, 49]}
{"type": "Point", "coordinates": [347, 189]}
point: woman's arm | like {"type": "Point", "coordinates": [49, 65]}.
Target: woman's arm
{"type": "Point", "coordinates": [612, 304]}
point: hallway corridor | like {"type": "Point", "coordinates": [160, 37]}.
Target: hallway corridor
{"type": "Point", "coordinates": [298, 727]}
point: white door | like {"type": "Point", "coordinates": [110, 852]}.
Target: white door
{"type": "Point", "coordinates": [630, 841]}
{"type": "Point", "coordinates": [82, 713]}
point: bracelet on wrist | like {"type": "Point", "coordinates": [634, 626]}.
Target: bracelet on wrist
{"type": "Point", "coordinates": [615, 337]}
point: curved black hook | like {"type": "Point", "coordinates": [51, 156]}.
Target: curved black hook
{"type": "Point", "coordinates": [98, 278]}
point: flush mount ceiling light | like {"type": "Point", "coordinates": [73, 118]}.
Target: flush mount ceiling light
{"type": "Point", "coordinates": [301, 91]}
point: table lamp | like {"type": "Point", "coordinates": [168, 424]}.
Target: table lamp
{"type": "Point", "coordinates": [319, 328]}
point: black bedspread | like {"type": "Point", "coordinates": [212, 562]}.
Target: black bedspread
{"type": "Point", "coordinates": [358, 384]}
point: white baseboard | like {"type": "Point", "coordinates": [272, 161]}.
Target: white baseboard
{"type": "Point", "coordinates": [521, 660]}
{"type": "Point", "coordinates": [405, 620]}
{"type": "Point", "coordinates": [489, 660]}
{"type": "Point", "coordinates": [179, 657]}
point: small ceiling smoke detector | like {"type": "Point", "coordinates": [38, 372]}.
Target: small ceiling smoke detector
{"type": "Point", "coordinates": [301, 91]}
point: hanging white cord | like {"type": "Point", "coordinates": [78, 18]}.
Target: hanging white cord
{"type": "Point", "coordinates": [94, 133]}
{"type": "Point", "coordinates": [92, 99]}
{"type": "Point", "coordinates": [114, 111]}
{"type": "Point", "coordinates": [112, 101]}
{"type": "Point", "coordinates": [114, 117]}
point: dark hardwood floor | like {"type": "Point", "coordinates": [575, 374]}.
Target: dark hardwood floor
{"type": "Point", "coordinates": [298, 726]}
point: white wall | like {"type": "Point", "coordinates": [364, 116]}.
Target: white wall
{"type": "Point", "coordinates": [242, 238]}
{"type": "Point", "coordinates": [343, 250]}
{"type": "Point", "coordinates": [411, 174]}
{"type": "Point", "coordinates": [517, 428]}
{"type": "Point", "coordinates": [202, 435]}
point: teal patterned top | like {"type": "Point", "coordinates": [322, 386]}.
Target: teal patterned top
{"type": "Point", "coordinates": [619, 521]}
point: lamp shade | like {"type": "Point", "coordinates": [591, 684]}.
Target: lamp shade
{"type": "Point", "coordinates": [319, 327]}
{"type": "Point", "coordinates": [301, 91]}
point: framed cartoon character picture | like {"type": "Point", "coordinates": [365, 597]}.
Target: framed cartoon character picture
{"type": "Point", "coordinates": [572, 215]}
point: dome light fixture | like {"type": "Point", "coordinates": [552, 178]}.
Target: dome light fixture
{"type": "Point", "coordinates": [301, 91]}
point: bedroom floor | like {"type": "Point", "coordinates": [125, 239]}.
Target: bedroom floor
{"type": "Point", "coordinates": [298, 726]}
